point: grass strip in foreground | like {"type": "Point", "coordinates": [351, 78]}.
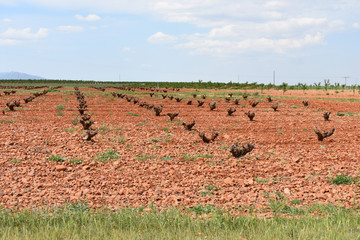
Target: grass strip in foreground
{"type": "Point", "coordinates": [78, 221]}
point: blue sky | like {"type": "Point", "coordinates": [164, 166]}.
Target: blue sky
{"type": "Point", "coordinates": [182, 40]}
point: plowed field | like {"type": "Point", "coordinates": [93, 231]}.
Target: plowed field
{"type": "Point", "coordinates": [160, 163]}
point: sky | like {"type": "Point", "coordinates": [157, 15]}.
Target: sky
{"type": "Point", "coordinates": [301, 41]}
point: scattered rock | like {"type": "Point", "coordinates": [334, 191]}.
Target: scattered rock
{"type": "Point", "coordinates": [60, 168]}
{"type": "Point", "coordinates": [228, 180]}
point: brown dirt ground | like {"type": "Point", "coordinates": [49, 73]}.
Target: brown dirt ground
{"type": "Point", "coordinates": [164, 165]}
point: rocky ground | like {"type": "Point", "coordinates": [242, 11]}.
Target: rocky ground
{"type": "Point", "coordinates": [155, 161]}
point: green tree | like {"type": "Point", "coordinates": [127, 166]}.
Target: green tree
{"type": "Point", "coordinates": [284, 87]}
{"type": "Point", "coordinates": [353, 87]}
{"type": "Point", "coordinates": [326, 84]}
{"type": "Point", "coordinates": [262, 86]}
{"type": "Point", "coordinates": [304, 87]}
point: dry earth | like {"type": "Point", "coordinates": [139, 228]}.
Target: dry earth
{"type": "Point", "coordinates": [162, 164]}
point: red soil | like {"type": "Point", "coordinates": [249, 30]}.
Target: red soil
{"type": "Point", "coordinates": [154, 167]}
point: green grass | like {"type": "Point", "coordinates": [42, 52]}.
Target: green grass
{"type": "Point", "coordinates": [224, 147]}
{"type": "Point", "coordinates": [143, 158]}
{"type": "Point", "coordinates": [75, 122]}
{"type": "Point", "coordinates": [57, 158]}
{"type": "Point", "coordinates": [296, 202]}
{"type": "Point", "coordinates": [347, 114]}
{"type": "Point", "coordinates": [121, 139]}
{"type": "Point", "coordinates": [78, 221]}
{"type": "Point", "coordinates": [133, 114]}
{"type": "Point", "coordinates": [59, 114]}
{"type": "Point", "coordinates": [7, 121]}
{"type": "Point", "coordinates": [260, 180]}
{"type": "Point", "coordinates": [108, 155]}
{"type": "Point", "coordinates": [70, 130]}
{"type": "Point", "coordinates": [60, 107]}
{"type": "Point", "coordinates": [208, 190]}
{"type": "Point", "coordinates": [154, 140]}
{"type": "Point", "coordinates": [103, 127]}
{"type": "Point", "coordinates": [189, 157]}
{"type": "Point", "coordinates": [342, 179]}
{"type": "Point", "coordinates": [75, 161]}
{"type": "Point", "coordinates": [15, 160]}
{"type": "Point", "coordinates": [166, 158]}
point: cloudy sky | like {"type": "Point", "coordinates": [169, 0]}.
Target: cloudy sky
{"type": "Point", "coordinates": [182, 40]}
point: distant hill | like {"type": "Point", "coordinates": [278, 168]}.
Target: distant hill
{"type": "Point", "coordinates": [18, 75]}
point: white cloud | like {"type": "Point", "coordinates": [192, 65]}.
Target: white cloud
{"type": "Point", "coordinates": [114, 6]}
{"type": "Point", "coordinates": [12, 33]}
{"type": "Point", "coordinates": [238, 26]}
{"type": "Point", "coordinates": [275, 36]}
{"type": "Point", "coordinates": [13, 36]}
{"type": "Point", "coordinates": [356, 25]}
{"type": "Point", "coordinates": [7, 20]}
{"type": "Point", "coordinates": [224, 47]}
{"type": "Point", "coordinates": [263, 23]}
{"type": "Point", "coordinates": [9, 42]}
{"type": "Point", "coordinates": [90, 17]}
{"type": "Point", "coordinates": [126, 49]}
{"type": "Point", "coordinates": [70, 29]}
{"type": "Point", "coordinates": [160, 37]}
{"type": "Point", "coordinates": [145, 65]}
{"type": "Point", "coordinates": [223, 32]}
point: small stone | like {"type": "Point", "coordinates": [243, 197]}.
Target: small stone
{"type": "Point", "coordinates": [287, 191]}
{"type": "Point", "coordinates": [59, 168]}
{"type": "Point", "coordinates": [248, 182]}
{"type": "Point", "coordinates": [228, 180]}
{"type": "Point", "coordinates": [86, 167]}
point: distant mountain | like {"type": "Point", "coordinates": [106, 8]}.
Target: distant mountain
{"type": "Point", "coordinates": [18, 75]}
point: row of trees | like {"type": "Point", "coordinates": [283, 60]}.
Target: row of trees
{"type": "Point", "coordinates": [200, 84]}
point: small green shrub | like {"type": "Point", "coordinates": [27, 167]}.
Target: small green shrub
{"type": "Point", "coordinates": [260, 180]}
{"type": "Point", "coordinates": [199, 209]}
{"type": "Point", "coordinates": [103, 127]}
{"type": "Point", "coordinates": [144, 157]}
{"type": "Point", "coordinates": [109, 154]}
{"type": "Point", "coordinates": [15, 160]}
{"type": "Point", "coordinates": [7, 121]}
{"type": "Point", "coordinates": [57, 158]}
{"type": "Point", "coordinates": [75, 161]}
{"type": "Point", "coordinates": [154, 140]}
{"type": "Point", "coordinates": [70, 130]}
{"type": "Point", "coordinates": [296, 202]}
{"type": "Point", "coordinates": [60, 107]}
{"type": "Point", "coordinates": [340, 114]}
{"type": "Point", "coordinates": [122, 139]}
{"type": "Point", "coordinates": [208, 190]}
{"type": "Point", "coordinates": [342, 180]}
{"type": "Point", "coordinates": [75, 122]}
